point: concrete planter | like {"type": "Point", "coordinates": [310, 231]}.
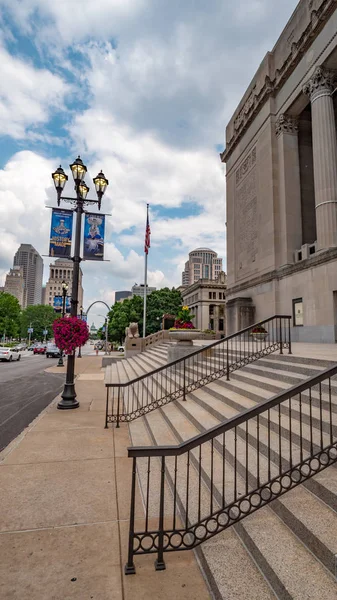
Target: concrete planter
{"type": "Point", "coordinates": [185, 336]}
{"type": "Point", "coordinates": [258, 337]}
{"type": "Point", "coordinates": [184, 342]}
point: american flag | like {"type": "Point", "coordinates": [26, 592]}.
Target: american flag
{"type": "Point", "coordinates": [147, 233]}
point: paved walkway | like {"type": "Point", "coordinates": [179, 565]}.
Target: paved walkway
{"type": "Point", "coordinates": [64, 498]}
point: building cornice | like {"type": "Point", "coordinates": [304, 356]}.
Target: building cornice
{"type": "Point", "coordinates": [315, 260]}
{"type": "Point", "coordinates": [255, 101]}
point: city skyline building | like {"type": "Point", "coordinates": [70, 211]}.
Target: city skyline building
{"type": "Point", "coordinates": [122, 295]}
{"type": "Point", "coordinates": [203, 263]}
{"type": "Point", "coordinates": [62, 270]}
{"type": "Point", "coordinates": [15, 284]}
{"type": "Point", "coordinates": [138, 290]}
{"type": "Point", "coordinates": [32, 264]}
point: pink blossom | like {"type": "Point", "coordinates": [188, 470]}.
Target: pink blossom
{"type": "Point", "coordinates": [70, 333]}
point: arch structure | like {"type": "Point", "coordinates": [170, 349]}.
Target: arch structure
{"type": "Point", "coordinates": [97, 302]}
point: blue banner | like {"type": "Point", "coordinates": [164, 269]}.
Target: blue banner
{"type": "Point", "coordinates": [93, 236]}
{"type": "Point", "coordinates": [61, 232]}
{"type": "Point", "coordinates": [57, 304]}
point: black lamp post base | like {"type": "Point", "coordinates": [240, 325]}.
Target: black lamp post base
{"type": "Point", "coordinates": [60, 362]}
{"type": "Point", "coordinates": [68, 398]}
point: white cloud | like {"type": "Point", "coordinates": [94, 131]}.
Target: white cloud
{"type": "Point", "coordinates": [28, 95]}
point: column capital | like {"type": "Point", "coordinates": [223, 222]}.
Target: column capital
{"type": "Point", "coordinates": [322, 81]}
{"type": "Point", "coordinates": [286, 124]}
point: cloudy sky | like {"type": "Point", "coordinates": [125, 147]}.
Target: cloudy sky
{"type": "Point", "coordinates": [142, 89]}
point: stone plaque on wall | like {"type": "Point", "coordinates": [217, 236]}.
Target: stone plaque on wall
{"type": "Point", "coordinates": [246, 219]}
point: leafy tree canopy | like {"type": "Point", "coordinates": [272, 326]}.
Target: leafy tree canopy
{"type": "Point", "coordinates": [131, 310]}
{"type": "Point", "coordinates": [39, 317]}
{"type": "Point", "coordinates": [9, 315]}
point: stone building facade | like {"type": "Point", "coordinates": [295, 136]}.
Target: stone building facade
{"type": "Point", "coordinates": [281, 163]}
{"type": "Point", "coordinates": [15, 284]}
{"type": "Point", "coordinates": [62, 270]}
{"type": "Point", "coordinates": [207, 300]}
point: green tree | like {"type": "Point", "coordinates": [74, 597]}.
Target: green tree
{"type": "Point", "coordinates": [160, 302]}
{"type": "Point", "coordinates": [122, 314]}
{"type": "Point", "coordinates": [39, 317]}
{"type": "Point", "coordinates": [131, 310]}
{"type": "Point", "coordinates": [9, 315]}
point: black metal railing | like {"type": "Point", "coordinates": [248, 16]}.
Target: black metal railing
{"type": "Point", "coordinates": [132, 399]}
{"type": "Point", "coordinates": [195, 490]}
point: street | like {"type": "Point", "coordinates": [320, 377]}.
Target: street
{"type": "Point", "coordinates": [25, 390]}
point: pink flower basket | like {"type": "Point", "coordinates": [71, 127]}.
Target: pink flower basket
{"type": "Point", "coordinates": [70, 333]}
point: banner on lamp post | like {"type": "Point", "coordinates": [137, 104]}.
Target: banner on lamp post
{"type": "Point", "coordinates": [61, 232]}
{"type": "Point", "coordinates": [57, 304]}
{"type": "Point", "coordinates": [93, 236]}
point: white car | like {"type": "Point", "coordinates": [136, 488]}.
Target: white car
{"type": "Point", "coordinates": [121, 349]}
{"type": "Point", "coordinates": [9, 354]}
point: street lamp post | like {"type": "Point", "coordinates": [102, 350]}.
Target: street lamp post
{"type": "Point", "coordinates": [79, 348]}
{"type": "Point", "coordinates": [78, 170]}
{"type": "Point", "coordinates": [65, 288]}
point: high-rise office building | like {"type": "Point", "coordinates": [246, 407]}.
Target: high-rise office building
{"type": "Point", "coordinates": [138, 290]}
{"type": "Point", "coordinates": [120, 296]}
{"type": "Point", "coordinates": [62, 270]}
{"type": "Point", "coordinates": [202, 263]}
{"type": "Point", "coordinates": [29, 259]}
{"type": "Point", "coordinates": [15, 284]}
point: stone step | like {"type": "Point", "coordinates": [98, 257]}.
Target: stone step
{"type": "Point", "coordinates": [282, 580]}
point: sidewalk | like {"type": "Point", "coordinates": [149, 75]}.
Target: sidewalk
{"type": "Point", "coordinates": [64, 498]}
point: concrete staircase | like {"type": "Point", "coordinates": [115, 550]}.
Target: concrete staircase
{"type": "Point", "coordinates": [287, 549]}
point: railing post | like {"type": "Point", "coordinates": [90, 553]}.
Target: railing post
{"type": "Point", "coordinates": [130, 567]}
{"type": "Point", "coordinates": [106, 408]}
{"type": "Point", "coordinates": [184, 383]}
{"type": "Point", "coordinates": [289, 336]}
{"type": "Point", "coordinates": [119, 390]}
{"type": "Point", "coordinates": [281, 342]}
{"type": "Point", "coordinates": [227, 364]}
{"type": "Point", "coordinates": [159, 563]}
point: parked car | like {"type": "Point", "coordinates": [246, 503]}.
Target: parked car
{"type": "Point", "coordinates": [121, 349]}
{"type": "Point", "coordinates": [52, 351]}
{"type": "Point", "coordinates": [40, 349]}
{"type": "Point", "coordinates": [9, 354]}
{"type": "Point", "coordinates": [20, 347]}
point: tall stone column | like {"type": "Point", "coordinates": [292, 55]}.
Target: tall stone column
{"type": "Point", "coordinates": [319, 88]}
{"type": "Point", "coordinates": [290, 230]}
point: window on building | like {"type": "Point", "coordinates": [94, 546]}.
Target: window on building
{"type": "Point", "coordinates": [298, 312]}
{"type": "Point", "coordinates": [214, 295]}
{"type": "Point", "coordinates": [220, 295]}
{"type": "Point", "coordinates": [210, 295]}
{"type": "Point", "coordinates": [221, 324]}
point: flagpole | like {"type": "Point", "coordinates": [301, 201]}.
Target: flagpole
{"type": "Point", "coordinates": [145, 271]}
{"type": "Point", "coordinates": [145, 293]}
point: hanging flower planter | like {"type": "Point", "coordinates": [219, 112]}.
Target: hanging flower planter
{"type": "Point", "coordinates": [70, 333]}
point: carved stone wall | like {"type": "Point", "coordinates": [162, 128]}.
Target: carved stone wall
{"type": "Point", "coordinates": [246, 216]}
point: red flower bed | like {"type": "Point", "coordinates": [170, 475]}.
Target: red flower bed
{"type": "Point", "coordinates": [70, 333]}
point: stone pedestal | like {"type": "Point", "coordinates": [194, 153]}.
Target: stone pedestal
{"type": "Point", "coordinates": [180, 349]}
{"type": "Point", "coordinates": [240, 313]}
{"type": "Point", "coordinates": [320, 88]}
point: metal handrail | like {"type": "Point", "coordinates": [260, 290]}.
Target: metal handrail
{"type": "Point", "coordinates": [132, 399]}
{"type": "Point", "coordinates": [198, 351]}
{"type": "Point", "coordinates": [138, 451]}
{"type": "Point", "coordinates": [198, 488]}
